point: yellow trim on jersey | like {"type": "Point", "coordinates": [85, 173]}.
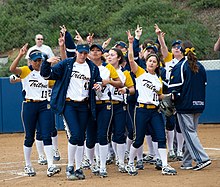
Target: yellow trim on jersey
{"type": "Point", "coordinates": [113, 72]}
{"type": "Point", "coordinates": [128, 82]}
{"type": "Point", "coordinates": [139, 71]}
{"type": "Point", "coordinates": [169, 57]}
{"type": "Point", "coordinates": [51, 83]}
{"type": "Point", "coordinates": [25, 70]}
{"type": "Point", "coordinates": [161, 90]}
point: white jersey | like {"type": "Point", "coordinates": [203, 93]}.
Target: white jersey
{"type": "Point", "coordinates": [106, 73]}
{"type": "Point", "coordinates": [46, 50]}
{"type": "Point", "coordinates": [126, 81]}
{"type": "Point", "coordinates": [34, 85]}
{"type": "Point", "coordinates": [148, 87]}
{"type": "Point", "coordinates": [79, 83]}
{"type": "Point", "coordinates": [169, 66]}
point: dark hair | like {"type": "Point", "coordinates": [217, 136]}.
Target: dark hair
{"type": "Point", "coordinates": [157, 70]}
{"type": "Point", "coordinates": [189, 51]}
{"type": "Point", "coordinates": [119, 54]}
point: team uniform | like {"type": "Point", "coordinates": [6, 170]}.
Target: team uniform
{"type": "Point", "coordinates": [172, 122]}
{"type": "Point", "coordinates": [73, 97]}
{"type": "Point", "coordinates": [189, 98]}
{"type": "Point", "coordinates": [146, 114]}
{"type": "Point", "coordinates": [36, 110]}
{"type": "Point", "coordinates": [119, 117]}
{"type": "Point", "coordinates": [98, 131]}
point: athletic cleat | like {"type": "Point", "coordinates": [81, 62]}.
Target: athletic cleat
{"type": "Point", "coordinates": [79, 173]}
{"type": "Point", "coordinates": [171, 156]}
{"type": "Point", "coordinates": [42, 160]}
{"type": "Point", "coordinates": [168, 170]}
{"type": "Point", "coordinates": [202, 165]}
{"type": "Point", "coordinates": [85, 163]}
{"type": "Point", "coordinates": [139, 165]}
{"type": "Point", "coordinates": [95, 169]}
{"type": "Point", "coordinates": [158, 164]}
{"type": "Point", "coordinates": [148, 158]}
{"type": "Point", "coordinates": [126, 155]}
{"type": "Point", "coordinates": [186, 167]}
{"type": "Point", "coordinates": [110, 159]}
{"type": "Point", "coordinates": [179, 156]}
{"type": "Point", "coordinates": [52, 170]}
{"type": "Point", "coordinates": [121, 168]}
{"type": "Point", "coordinates": [56, 155]}
{"type": "Point", "coordinates": [29, 170]}
{"type": "Point", "coordinates": [131, 169]}
{"type": "Point", "coordinates": [103, 173]}
{"type": "Point", "coordinates": [70, 174]}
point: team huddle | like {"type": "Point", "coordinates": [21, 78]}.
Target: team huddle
{"type": "Point", "coordinates": [110, 101]}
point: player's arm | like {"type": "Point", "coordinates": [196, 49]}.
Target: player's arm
{"type": "Point", "coordinates": [217, 45]}
{"type": "Point", "coordinates": [132, 63]}
{"type": "Point", "coordinates": [129, 85]}
{"type": "Point", "coordinates": [14, 66]}
{"type": "Point", "coordinates": [61, 41]}
{"type": "Point", "coordinates": [163, 46]}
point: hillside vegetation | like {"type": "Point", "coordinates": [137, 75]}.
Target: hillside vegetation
{"type": "Point", "coordinates": [21, 20]}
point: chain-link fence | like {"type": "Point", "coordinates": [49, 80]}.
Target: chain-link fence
{"type": "Point", "coordinates": [211, 64]}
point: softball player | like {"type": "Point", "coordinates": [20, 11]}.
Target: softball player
{"type": "Point", "coordinates": [148, 87]}
{"type": "Point", "coordinates": [35, 109]}
{"type": "Point", "coordinates": [98, 130]}
{"type": "Point", "coordinates": [73, 96]}
{"type": "Point", "coordinates": [119, 107]}
{"type": "Point", "coordinates": [187, 85]}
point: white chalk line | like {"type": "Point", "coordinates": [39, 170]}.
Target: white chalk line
{"type": "Point", "coordinates": [212, 149]}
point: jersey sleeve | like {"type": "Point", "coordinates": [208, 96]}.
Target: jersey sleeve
{"type": "Point", "coordinates": [139, 71]}
{"type": "Point", "coordinates": [24, 71]}
{"type": "Point", "coordinates": [161, 89]}
{"type": "Point", "coordinates": [169, 57]}
{"type": "Point", "coordinates": [51, 83]}
{"type": "Point", "coordinates": [113, 72]}
{"type": "Point", "coordinates": [128, 82]}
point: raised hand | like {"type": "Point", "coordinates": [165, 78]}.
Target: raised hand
{"type": "Point", "coordinates": [157, 29]}
{"type": "Point", "coordinates": [89, 38]}
{"type": "Point", "coordinates": [63, 30]}
{"type": "Point", "coordinates": [61, 40]}
{"type": "Point", "coordinates": [24, 49]}
{"type": "Point", "coordinates": [78, 37]}
{"type": "Point", "coordinates": [106, 43]}
{"type": "Point", "coordinates": [138, 32]}
{"type": "Point", "coordinates": [130, 37]}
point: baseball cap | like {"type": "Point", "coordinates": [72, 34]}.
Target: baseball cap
{"type": "Point", "coordinates": [121, 43]}
{"type": "Point", "coordinates": [36, 55]}
{"type": "Point", "coordinates": [176, 42]}
{"type": "Point", "coordinates": [82, 48]}
{"type": "Point", "coordinates": [98, 46]}
{"type": "Point", "coordinates": [151, 46]}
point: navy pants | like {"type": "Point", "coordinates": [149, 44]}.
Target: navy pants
{"type": "Point", "coordinates": [130, 120]}
{"type": "Point", "coordinates": [149, 119]}
{"type": "Point", "coordinates": [98, 131]}
{"type": "Point", "coordinates": [34, 113]}
{"type": "Point", "coordinates": [76, 115]}
{"type": "Point", "coordinates": [119, 123]}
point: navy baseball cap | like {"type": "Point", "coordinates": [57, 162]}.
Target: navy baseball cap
{"type": "Point", "coordinates": [36, 55]}
{"type": "Point", "coordinates": [82, 48]}
{"type": "Point", "coordinates": [98, 46]}
{"type": "Point", "coordinates": [151, 46]}
{"type": "Point", "coordinates": [122, 44]}
{"type": "Point", "coordinates": [176, 42]}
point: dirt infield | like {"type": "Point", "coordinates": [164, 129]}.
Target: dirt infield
{"type": "Point", "coordinates": [12, 163]}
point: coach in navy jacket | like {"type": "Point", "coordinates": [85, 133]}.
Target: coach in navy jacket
{"type": "Point", "coordinates": [61, 72]}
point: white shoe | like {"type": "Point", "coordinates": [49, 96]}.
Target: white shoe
{"type": "Point", "coordinates": [52, 170]}
{"type": "Point", "coordinates": [56, 155]}
{"type": "Point", "coordinates": [29, 170]}
{"type": "Point", "coordinates": [131, 169]}
{"type": "Point", "coordinates": [121, 168]}
{"type": "Point", "coordinates": [179, 156]}
{"type": "Point", "coordinates": [103, 173]}
{"type": "Point", "coordinates": [42, 160]}
{"type": "Point", "coordinates": [168, 170]}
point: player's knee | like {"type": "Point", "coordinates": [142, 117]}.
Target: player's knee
{"type": "Point", "coordinates": [54, 133]}
{"type": "Point", "coordinates": [103, 140]}
{"type": "Point", "coordinates": [137, 144]}
{"type": "Point", "coordinates": [47, 141]}
{"type": "Point", "coordinates": [29, 142]}
{"type": "Point", "coordinates": [161, 144]}
{"type": "Point", "coordinates": [119, 139]}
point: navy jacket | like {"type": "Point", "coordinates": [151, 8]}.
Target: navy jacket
{"type": "Point", "coordinates": [188, 87]}
{"type": "Point", "coordinates": [61, 72]}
